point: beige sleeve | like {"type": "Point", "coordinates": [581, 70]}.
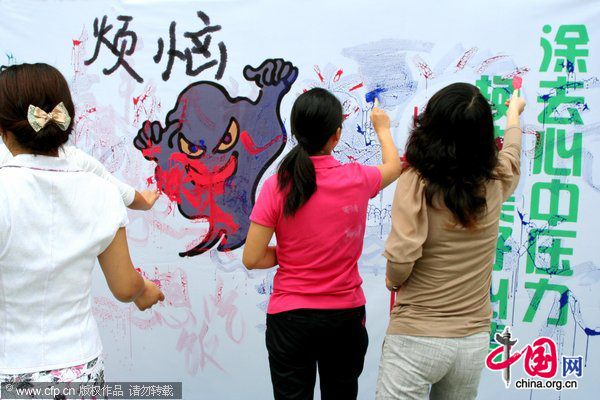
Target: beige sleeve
{"type": "Point", "coordinates": [404, 245]}
{"type": "Point", "coordinates": [509, 168]}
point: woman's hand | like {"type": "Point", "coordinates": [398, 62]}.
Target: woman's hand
{"type": "Point", "coordinates": [144, 200]}
{"type": "Point", "coordinates": [149, 297]}
{"type": "Point", "coordinates": [391, 286]}
{"type": "Point", "coordinates": [391, 167]}
{"type": "Point", "coordinates": [516, 104]}
{"type": "Point", "coordinates": [381, 121]}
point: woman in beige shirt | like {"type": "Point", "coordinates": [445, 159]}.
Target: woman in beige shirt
{"type": "Point", "coordinates": [442, 244]}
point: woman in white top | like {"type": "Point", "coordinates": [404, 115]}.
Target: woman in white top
{"type": "Point", "coordinates": [55, 220]}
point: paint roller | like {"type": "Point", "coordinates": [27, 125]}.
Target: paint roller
{"type": "Point", "coordinates": [517, 83]}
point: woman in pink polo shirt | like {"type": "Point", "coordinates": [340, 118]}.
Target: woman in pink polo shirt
{"type": "Point", "coordinates": [317, 209]}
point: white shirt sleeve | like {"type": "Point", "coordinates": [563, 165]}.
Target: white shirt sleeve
{"type": "Point", "coordinates": [90, 164]}
{"type": "Point", "coordinates": [4, 220]}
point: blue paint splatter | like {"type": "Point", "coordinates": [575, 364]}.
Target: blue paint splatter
{"type": "Point", "coordinates": [522, 218]}
{"type": "Point", "coordinates": [383, 64]}
{"type": "Point", "coordinates": [564, 299]}
{"type": "Point", "coordinates": [570, 66]}
{"type": "Point", "coordinates": [373, 94]}
{"type": "Point", "coordinates": [591, 332]}
{"type": "Point", "coordinates": [266, 286]}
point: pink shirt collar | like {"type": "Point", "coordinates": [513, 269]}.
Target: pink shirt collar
{"type": "Point", "coordinates": [322, 162]}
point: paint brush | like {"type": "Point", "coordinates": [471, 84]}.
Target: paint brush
{"type": "Point", "coordinates": [517, 83]}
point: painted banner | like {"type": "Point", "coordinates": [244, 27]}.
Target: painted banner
{"type": "Point", "coordinates": [194, 97]}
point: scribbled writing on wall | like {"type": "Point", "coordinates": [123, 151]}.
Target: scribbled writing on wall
{"type": "Point", "coordinates": [198, 340]}
{"type": "Point", "coordinates": [124, 41]}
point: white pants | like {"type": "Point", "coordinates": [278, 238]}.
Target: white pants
{"type": "Point", "coordinates": [417, 368]}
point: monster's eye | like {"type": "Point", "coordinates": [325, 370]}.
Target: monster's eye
{"type": "Point", "coordinates": [189, 148]}
{"type": "Point", "coordinates": [230, 137]}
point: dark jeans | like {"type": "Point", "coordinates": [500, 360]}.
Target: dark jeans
{"type": "Point", "coordinates": [300, 340]}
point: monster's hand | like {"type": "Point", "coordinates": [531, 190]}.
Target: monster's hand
{"type": "Point", "coordinates": [149, 140]}
{"type": "Point", "coordinates": [273, 75]}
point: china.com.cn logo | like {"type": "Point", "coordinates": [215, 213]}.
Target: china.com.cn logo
{"type": "Point", "coordinates": [539, 360]}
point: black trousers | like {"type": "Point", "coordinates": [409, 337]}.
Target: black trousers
{"type": "Point", "coordinates": [300, 341]}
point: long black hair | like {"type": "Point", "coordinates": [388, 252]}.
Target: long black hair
{"type": "Point", "coordinates": [316, 116]}
{"type": "Point", "coordinates": [452, 147]}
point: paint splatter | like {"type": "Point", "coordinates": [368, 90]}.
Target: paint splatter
{"type": "Point", "coordinates": [374, 94]}
{"type": "Point", "coordinates": [383, 65]}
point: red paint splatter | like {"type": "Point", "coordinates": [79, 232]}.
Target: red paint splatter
{"type": "Point", "coordinates": [499, 142]}
{"type": "Point", "coordinates": [251, 147]}
{"type": "Point", "coordinates": [318, 72]}
{"type": "Point", "coordinates": [465, 58]}
{"type": "Point", "coordinates": [86, 112]}
{"type": "Point", "coordinates": [146, 103]}
{"type": "Point", "coordinates": [76, 42]}
{"type": "Point", "coordinates": [356, 87]}
{"type": "Point", "coordinates": [206, 186]}
{"type": "Point", "coordinates": [483, 66]}
{"type": "Point", "coordinates": [141, 98]}
{"type": "Point", "coordinates": [183, 115]}
{"type": "Point", "coordinates": [152, 149]}
{"type": "Point", "coordinates": [415, 115]}
{"type": "Point", "coordinates": [423, 67]}
{"type": "Point", "coordinates": [517, 72]}
{"type": "Point", "coordinates": [338, 75]}
{"type": "Point", "coordinates": [177, 233]}
{"type": "Point", "coordinates": [200, 174]}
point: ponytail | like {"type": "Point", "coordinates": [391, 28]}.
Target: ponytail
{"type": "Point", "coordinates": [297, 173]}
{"type": "Point", "coordinates": [316, 116]}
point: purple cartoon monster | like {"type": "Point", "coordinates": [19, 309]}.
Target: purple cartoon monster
{"type": "Point", "coordinates": [214, 149]}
